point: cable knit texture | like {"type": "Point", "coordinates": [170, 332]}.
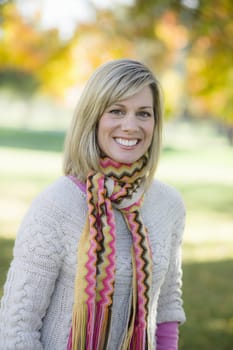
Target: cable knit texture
{"type": "Point", "coordinates": [36, 307]}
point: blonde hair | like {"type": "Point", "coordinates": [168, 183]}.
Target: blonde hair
{"type": "Point", "coordinates": [111, 82]}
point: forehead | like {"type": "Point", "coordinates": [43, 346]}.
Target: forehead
{"type": "Point", "coordinates": [143, 96]}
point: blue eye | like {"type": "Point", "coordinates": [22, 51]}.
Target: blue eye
{"type": "Point", "coordinates": [116, 111]}
{"type": "Point", "coordinates": [144, 114]}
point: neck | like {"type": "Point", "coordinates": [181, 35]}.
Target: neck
{"type": "Point", "coordinates": [121, 172]}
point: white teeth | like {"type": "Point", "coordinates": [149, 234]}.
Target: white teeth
{"type": "Point", "coordinates": [125, 142]}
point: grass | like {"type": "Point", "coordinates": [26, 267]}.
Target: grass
{"type": "Point", "coordinates": [5, 258]}
{"type": "Point", "coordinates": [208, 305]}
{"type": "Point", "coordinates": [49, 141]}
{"type": "Point", "coordinates": [199, 163]}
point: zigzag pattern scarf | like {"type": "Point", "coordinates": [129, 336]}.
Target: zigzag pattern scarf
{"type": "Point", "coordinates": [121, 186]}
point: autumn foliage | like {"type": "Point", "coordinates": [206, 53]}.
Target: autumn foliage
{"type": "Point", "coordinates": [189, 48]}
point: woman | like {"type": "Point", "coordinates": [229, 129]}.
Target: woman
{"type": "Point", "coordinates": [97, 261]}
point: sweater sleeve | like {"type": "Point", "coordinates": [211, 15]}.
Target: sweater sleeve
{"type": "Point", "coordinates": [170, 304]}
{"type": "Point", "coordinates": [167, 336]}
{"type": "Point", "coordinates": [31, 279]}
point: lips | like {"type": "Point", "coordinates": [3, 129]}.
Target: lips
{"type": "Point", "coordinates": [126, 142]}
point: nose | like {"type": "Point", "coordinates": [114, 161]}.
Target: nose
{"type": "Point", "coordinates": [129, 122]}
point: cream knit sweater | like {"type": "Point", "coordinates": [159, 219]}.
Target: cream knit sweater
{"type": "Point", "coordinates": [36, 307]}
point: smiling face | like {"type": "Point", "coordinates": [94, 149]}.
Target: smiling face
{"type": "Point", "coordinates": [126, 128]}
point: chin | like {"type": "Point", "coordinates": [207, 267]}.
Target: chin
{"type": "Point", "coordinates": [125, 160]}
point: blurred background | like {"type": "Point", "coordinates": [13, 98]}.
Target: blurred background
{"type": "Point", "coordinates": [48, 49]}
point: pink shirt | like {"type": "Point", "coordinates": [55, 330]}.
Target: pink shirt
{"type": "Point", "coordinates": [167, 335]}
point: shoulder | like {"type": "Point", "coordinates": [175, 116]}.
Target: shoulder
{"type": "Point", "coordinates": [164, 213]}
{"type": "Point", "coordinates": [60, 204]}
{"type": "Point", "coordinates": [164, 198]}
{"type": "Point", "coordinates": [61, 191]}
{"type": "Point", "coordinates": [61, 196]}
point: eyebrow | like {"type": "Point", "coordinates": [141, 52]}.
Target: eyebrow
{"type": "Point", "coordinates": [122, 105]}
{"type": "Point", "coordinates": [144, 107]}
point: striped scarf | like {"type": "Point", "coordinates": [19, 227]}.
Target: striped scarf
{"type": "Point", "coordinates": [121, 186]}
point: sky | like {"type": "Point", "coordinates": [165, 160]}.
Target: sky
{"type": "Point", "coordinates": [65, 14]}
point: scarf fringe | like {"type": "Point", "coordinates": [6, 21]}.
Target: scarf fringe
{"type": "Point", "coordinates": [101, 327]}
{"type": "Point", "coordinates": [81, 335]}
{"type": "Point", "coordinates": [78, 331]}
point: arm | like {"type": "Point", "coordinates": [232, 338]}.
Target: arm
{"type": "Point", "coordinates": [31, 279]}
{"type": "Point", "coordinates": [167, 336]}
{"type": "Point", "coordinates": [170, 304]}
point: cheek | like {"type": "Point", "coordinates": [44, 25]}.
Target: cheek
{"type": "Point", "coordinates": [150, 131]}
{"type": "Point", "coordinates": [105, 126]}
{"type": "Point", "coordinates": [103, 130]}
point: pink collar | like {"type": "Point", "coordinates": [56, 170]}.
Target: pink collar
{"type": "Point", "coordinates": [80, 184]}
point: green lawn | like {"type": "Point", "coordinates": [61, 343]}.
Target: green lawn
{"type": "Point", "coordinates": [208, 305]}
{"type": "Point", "coordinates": [198, 162]}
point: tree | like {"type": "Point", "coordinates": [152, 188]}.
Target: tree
{"type": "Point", "coordinates": [187, 43]}
{"type": "Point", "coordinates": [28, 54]}
{"type": "Point", "coordinates": [204, 29]}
